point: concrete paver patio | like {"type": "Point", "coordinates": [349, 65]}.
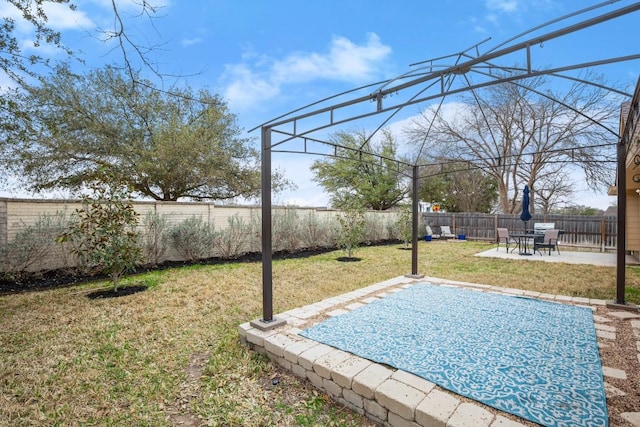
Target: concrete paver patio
{"type": "Point", "coordinates": [394, 397]}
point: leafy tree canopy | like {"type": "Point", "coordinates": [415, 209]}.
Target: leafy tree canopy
{"type": "Point", "coordinates": [362, 172]}
{"type": "Point", "coordinates": [165, 144]}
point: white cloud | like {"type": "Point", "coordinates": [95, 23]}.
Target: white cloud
{"type": "Point", "coordinates": [247, 88]}
{"type": "Point", "coordinates": [345, 61]}
{"type": "Point", "coordinates": [259, 78]}
{"type": "Point", "coordinates": [297, 168]}
{"type": "Point", "coordinates": [9, 11]}
{"type": "Point", "coordinates": [28, 44]}
{"type": "Point", "coordinates": [60, 17]}
{"type": "Point", "coordinates": [507, 6]}
{"type": "Point", "coordinates": [311, 196]}
{"type": "Point", "coordinates": [493, 18]}
{"type": "Point", "coordinates": [520, 7]}
{"type": "Point", "coordinates": [63, 18]}
{"type": "Point", "coordinates": [401, 129]}
{"type": "Point", "coordinates": [192, 41]}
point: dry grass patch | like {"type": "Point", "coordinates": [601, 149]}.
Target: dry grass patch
{"type": "Point", "coordinates": [457, 262]}
{"type": "Point", "coordinates": [172, 354]}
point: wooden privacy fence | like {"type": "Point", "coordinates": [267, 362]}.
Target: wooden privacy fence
{"type": "Point", "coordinates": [591, 232]}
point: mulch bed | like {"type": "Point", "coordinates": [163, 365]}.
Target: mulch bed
{"type": "Point", "coordinates": [69, 277]}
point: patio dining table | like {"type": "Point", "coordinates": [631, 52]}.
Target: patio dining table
{"type": "Point", "coordinates": [523, 241]}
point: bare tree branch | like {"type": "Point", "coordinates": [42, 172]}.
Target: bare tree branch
{"type": "Point", "coordinates": [520, 135]}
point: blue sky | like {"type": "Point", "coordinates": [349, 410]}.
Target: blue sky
{"type": "Point", "coordinates": [269, 57]}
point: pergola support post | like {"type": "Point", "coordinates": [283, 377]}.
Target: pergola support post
{"type": "Point", "coordinates": [415, 225]}
{"type": "Point", "coordinates": [267, 321]}
{"type": "Point", "coordinates": [621, 247]}
{"type": "Point", "coordinates": [628, 132]}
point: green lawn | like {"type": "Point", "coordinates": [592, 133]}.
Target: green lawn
{"type": "Point", "coordinates": [172, 353]}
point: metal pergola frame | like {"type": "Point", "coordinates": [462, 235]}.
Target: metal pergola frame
{"type": "Point", "coordinates": [440, 80]}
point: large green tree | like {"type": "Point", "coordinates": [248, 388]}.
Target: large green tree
{"type": "Point", "coordinates": [165, 144]}
{"type": "Point", "coordinates": [458, 188]}
{"type": "Point", "coordinates": [362, 172]}
{"type": "Point", "coordinates": [30, 44]}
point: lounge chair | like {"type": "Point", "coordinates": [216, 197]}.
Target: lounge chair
{"type": "Point", "coordinates": [503, 237]}
{"type": "Point", "coordinates": [445, 231]}
{"type": "Point", "coordinates": [550, 241]}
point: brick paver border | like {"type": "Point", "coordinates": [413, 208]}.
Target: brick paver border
{"type": "Point", "coordinates": [389, 397]}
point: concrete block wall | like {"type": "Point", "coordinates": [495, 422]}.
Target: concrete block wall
{"type": "Point", "coordinates": [3, 223]}
{"type": "Point", "coordinates": [16, 214]}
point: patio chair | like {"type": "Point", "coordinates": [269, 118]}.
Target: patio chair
{"type": "Point", "coordinates": [503, 237]}
{"type": "Point", "coordinates": [445, 231]}
{"type": "Point", "coordinates": [550, 241]}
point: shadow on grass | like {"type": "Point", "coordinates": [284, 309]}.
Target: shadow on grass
{"type": "Point", "coordinates": [348, 259]}
{"type": "Point", "coordinates": [121, 292]}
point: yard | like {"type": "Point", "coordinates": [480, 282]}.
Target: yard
{"type": "Point", "coordinates": [172, 355]}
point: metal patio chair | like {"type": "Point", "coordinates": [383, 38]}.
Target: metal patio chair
{"type": "Point", "coordinates": [550, 241]}
{"type": "Point", "coordinates": [503, 237]}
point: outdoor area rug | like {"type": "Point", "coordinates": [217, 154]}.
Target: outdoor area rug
{"type": "Point", "coordinates": [535, 359]}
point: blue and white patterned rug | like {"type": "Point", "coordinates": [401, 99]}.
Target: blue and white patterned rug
{"type": "Point", "coordinates": [535, 359]}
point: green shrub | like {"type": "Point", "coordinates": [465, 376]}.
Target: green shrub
{"type": "Point", "coordinates": [193, 238]}
{"type": "Point", "coordinates": [315, 232]}
{"type": "Point", "coordinates": [285, 223]}
{"type": "Point", "coordinates": [255, 239]}
{"type": "Point", "coordinates": [390, 227]}
{"type": "Point", "coordinates": [374, 228]}
{"type": "Point", "coordinates": [103, 231]}
{"type": "Point", "coordinates": [154, 239]}
{"type": "Point", "coordinates": [32, 245]}
{"type": "Point", "coordinates": [232, 241]}
{"type": "Point", "coordinates": [404, 225]}
{"type": "Point", "coordinates": [351, 229]}
{"type": "Point", "coordinates": [333, 231]}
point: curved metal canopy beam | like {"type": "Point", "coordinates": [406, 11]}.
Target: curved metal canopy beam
{"type": "Point", "coordinates": [331, 111]}
{"type": "Point", "coordinates": [425, 81]}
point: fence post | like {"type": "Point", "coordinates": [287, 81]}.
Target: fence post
{"type": "Point", "coordinates": [603, 234]}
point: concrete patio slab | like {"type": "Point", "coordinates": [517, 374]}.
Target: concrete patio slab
{"type": "Point", "coordinates": [592, 258]}
{"type": "Point", "coordinates": [633, 418]}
